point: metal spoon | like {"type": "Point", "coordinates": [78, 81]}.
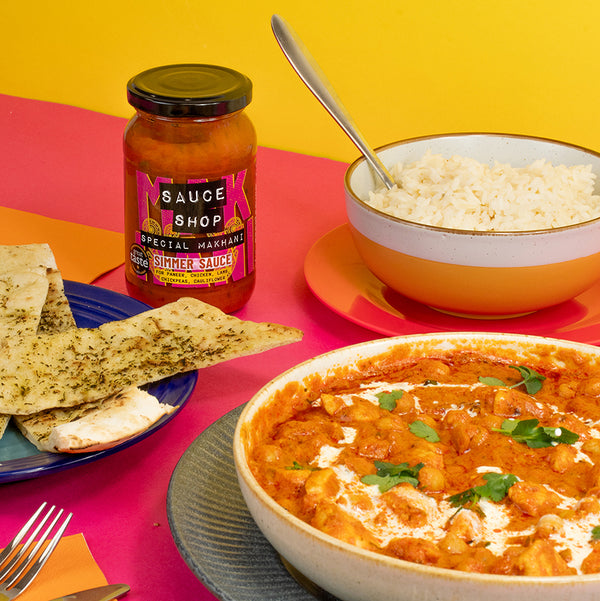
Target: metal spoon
{"type": "Point", "coordinates": [310, 73]}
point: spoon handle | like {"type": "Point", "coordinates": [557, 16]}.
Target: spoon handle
{"type": "Point", "coordinates": [316, 81]}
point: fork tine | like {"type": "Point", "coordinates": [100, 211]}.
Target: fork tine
{"type": "Point", "coordinates": [38, 564]}
{"type": "Point", "coordinates": [19, 537]}
{"type": "Point", "coordinates": [7, 569]}
{"type": "Point", "coordinates": [18, 573]}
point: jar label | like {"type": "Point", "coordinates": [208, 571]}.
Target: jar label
{"type": "Point", "coordinates": [193, 234]}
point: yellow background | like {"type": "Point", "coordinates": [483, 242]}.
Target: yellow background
{"type": "Point", "coordinates": [403, 67]}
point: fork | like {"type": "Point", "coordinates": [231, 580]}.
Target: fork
{"type": "Point", "coordinates": [18, 569]}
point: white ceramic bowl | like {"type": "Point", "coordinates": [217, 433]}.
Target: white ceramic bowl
{"type": "Point", "coordinates": [353, 574]}
{"type": "Point", "coordinates": [475, 273]}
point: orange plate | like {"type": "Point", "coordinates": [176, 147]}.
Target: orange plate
{"type": "Point", "coordinates": [338, 277]}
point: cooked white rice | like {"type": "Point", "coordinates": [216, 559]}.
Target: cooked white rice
{"type": "Point", "coordinates": [463, 193]}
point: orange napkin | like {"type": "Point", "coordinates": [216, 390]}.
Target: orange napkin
{"type": "Point", "coordinates": [83, 253]}
{"type": "Point", "coordinates": [70, 568]}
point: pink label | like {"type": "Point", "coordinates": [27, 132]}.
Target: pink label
{"type": "Point", "coordinates": [194, 234]}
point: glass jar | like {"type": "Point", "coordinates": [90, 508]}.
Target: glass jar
{"type": "Point", "coordinates": [190, 180]}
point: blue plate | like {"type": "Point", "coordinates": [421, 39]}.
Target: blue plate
{"type": "Point", "coordinates": [91, 306]}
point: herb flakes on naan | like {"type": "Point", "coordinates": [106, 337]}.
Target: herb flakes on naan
{"type": "Point", "coordinates": [86, 364]}
{"type": "Point", "coordinates": [92, 426]}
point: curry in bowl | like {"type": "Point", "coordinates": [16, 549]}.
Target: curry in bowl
{"type": "Point", "coordinates": [478, 454]}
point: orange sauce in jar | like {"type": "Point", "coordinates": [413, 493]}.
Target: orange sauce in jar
{"type": "Point", "coordinates": [190, 179]}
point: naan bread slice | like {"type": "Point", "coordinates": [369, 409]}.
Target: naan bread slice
{"type": "Point", "coordinates": [22, 296]}
{"type": "Point", "coordinates": [56, 313]}
{"type": "Point", "coordinates": [81, 365]}
{"type": "Point", "coordinates": [27, 281]}
{"type": "Point", "coordinates": [94, 426]}
{"type": "Point", "coordinates": [23, 292]}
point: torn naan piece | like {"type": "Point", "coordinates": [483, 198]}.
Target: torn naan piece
{"type": "Point", "coordinates": [23, 291]}
{"type": "Point", "coordinates": [81, 365]}
{"type": "Point", "coordinates": [26, 285]}
{"type": "Point", "coordinates": [93, 426]}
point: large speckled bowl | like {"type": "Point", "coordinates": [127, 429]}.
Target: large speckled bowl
{"type": "Point", "coordinates": [475, 273]}
{"type": "Point", "coordinates": [353, 574]}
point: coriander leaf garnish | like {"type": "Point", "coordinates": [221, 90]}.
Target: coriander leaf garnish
{"type": "Point", "coordinates": [528, 432]}
{"type": "Point", "coordinates": [530, 378]}
{"type": "Point", "coordinates": [390, 474]}
{"type": "Point", "coordinates": [596, 533]}
{"type": "Point", "coordinates": [430, 383]}
{"type": "Point", "coordinates": [495, 489]}
{"type": "Point", "coordinates": [422, 430]}
{"type": "Point", "coordinates": [387, 400]}
{"type": "Point", "coordinates": [496, 486]}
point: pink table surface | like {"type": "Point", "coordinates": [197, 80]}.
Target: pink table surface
{"type": "Point", "coordinates": [65, 162]}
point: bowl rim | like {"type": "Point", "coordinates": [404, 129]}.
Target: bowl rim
{"type": "Point", "coordinates": [458, 231]}
{"type": "Point", "coordinates": [375, 347]}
